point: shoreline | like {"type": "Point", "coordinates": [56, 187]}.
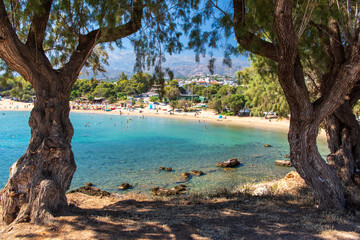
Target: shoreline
{"type": "Point", "coordinates": [207, 116]}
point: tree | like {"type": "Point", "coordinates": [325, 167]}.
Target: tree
{"type": "Point", "coordinates": [216, 105]}
{"type": "Point", "coordinates": [48, 42]}
{"type": "Point", "coordinates": [173, 104]}
{"type": "Point", "coordinates": [183, 103]}
{"type": "Point", "coordinates": [172, 93]}
{"type": "Point", "coordinates": [279, 30]}
{"type": "Point", "coordinates": [235, 102]}
{"type": "Point", "coordinates": [263, 92]}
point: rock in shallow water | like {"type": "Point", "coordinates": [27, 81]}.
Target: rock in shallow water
{"type": "Point", "coordinates": [197, 173]}
{"type": "Point", "coordinates": [233, 162]}
{"type": "Point", "coordinates": [283, 163]}
{"type": "Point", "coordinates": [124, 186]}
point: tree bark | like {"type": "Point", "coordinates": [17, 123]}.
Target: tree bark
{"type": "Point", "coordinates": [308, 162]}
{"type": "Point", "coordinates": [343, 134]}
{"type": "Point", "coordinates": [39, 179]}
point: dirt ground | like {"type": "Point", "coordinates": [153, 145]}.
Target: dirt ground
{"type": "Point", "coordinates": [279, 210]}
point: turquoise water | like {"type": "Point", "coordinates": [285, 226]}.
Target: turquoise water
{"type": "Point", "coordinates": [110, 150]}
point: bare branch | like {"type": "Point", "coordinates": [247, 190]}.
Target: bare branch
{"type": "Point", "coordinates": [307, 16]}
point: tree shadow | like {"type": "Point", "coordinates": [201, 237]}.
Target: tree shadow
{"type": "Point", "coordinates": [230, 217]}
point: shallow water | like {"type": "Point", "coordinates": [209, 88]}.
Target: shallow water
{"type": "Point", "coordinates": [110, 150]}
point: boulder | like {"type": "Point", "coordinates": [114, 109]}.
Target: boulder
{"type": "Point", "coordinates": [169, 169]}
{"type": "Point", "coordinates": [124, 186]}
{"type": "Point", "coordinates": [233, 162]}
{"type": "Point", "coordinates": [92, 191]}
{"type": "Point", "coordinates": [180, 189]}
{"type": "Point", "coordinates": [262, 190]}
{"type": "Point", "coordinates": [196, 172]}
{"type": "Point", "coordinates": [89, 184]}
{"type": "Point", "coordinates": [283, 163]}
{"type": "Point", "coordinates": [267, 145]}
{"type": "Point", "coordinates": [162, 168]}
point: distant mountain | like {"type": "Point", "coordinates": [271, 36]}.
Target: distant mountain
{"type": "Point", "coordinates": [182, 66]}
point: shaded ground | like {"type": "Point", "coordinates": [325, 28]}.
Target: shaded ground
{"type": "Point", "coordinates": [222, 216]}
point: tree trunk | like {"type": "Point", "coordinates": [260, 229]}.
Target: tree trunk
{"type": "Point", "coordinates": [343, 134]}
{"type": "Point", "coordinates": [39, 179]}
{"type": "Point", "coordinates": [308, 162]}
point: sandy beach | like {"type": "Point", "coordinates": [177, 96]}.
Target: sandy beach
{"type": "Point", "coordinates": [203, 116]}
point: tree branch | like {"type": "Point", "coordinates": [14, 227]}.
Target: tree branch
{"type": "Point", "coordinates": [38, 26]}
{"type": "Point", "coordinates": [248, 40]}
{"type": "Point", "coordinates": [342, 83]}
{"type": "Point", "coordinates": [12, 50]}
{"type": "Point", "coordinates": [113, 34]}
{"type": "Point", "coordinates": [101, 35]}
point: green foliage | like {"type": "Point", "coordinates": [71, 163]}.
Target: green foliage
{"type": "Point", "coordinates": [235, 102]}
{"type": "Point", "coordinates": [263, 92]}
{"type": "Point", "coordinates": [183, 104]}
{"type": "Point", "coordinates": [216, 105]}
{"type": "Point", "coordinates": [154, 99]}
{"type": "Point", "coordinates": [18, 88]}
{"type": "Point", "coordinates": [173, 104]}
{"type": "Point", "coordinates": [172, 92]}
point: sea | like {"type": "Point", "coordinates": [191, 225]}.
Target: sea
{"type": "Point", "coordinates": [112, 149]}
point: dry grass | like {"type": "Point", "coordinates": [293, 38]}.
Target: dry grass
{"type": "Point", "coordinates": [286, 212]}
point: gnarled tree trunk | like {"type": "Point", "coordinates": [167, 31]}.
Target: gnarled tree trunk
{"type": "Point", "coordinates": [308, 162]}
{"type": "Point", "coordinates": [343, 137]}
{"type": "Point", "coordinates": [39, 179]}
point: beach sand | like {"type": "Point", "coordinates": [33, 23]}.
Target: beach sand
{"type": "Point", "coordinates": [205, 116]}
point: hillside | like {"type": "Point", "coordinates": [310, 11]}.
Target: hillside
{"type": "Point", "coordinates": [182, 66]}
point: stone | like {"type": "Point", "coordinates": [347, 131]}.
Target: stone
{"type": "Point", "coordinates": [233, 162]}
{"type": "Point", "coordinates": [169, 169]}
{"type": "Point", "coordinates": [196, 172]}
{"type": "Point", "coordinates": [89, 184]}
{"type": "Point", "coordinates": [283, 163]}
{"type": "Point", "coordinates": [180, 189]}
{"type": "Point", "coordinates": [162, 168]}
{"type": "Point", "coordinates": [287, 156]}
{"type": "Point", "coordinates": [290, 175]}
{"type": "Point", "coordinates": [267, 145]}
{"type": "Point", "coordinates": [92, 191]}
{"type": "Point", "coordinates": [185, 174]}
{"type": "Point", "coordinates": [124, 186]}
{"type": "Point", "coordinates": [262, 190]}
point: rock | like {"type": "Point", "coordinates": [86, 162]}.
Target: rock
{"type": "Point", "coordinates": [169, 191]}
{"type": "Point", "coordinates": [262, 190]}
{"type": "Point", "coordinates": [256, 156]}
{"type": "Point", "coordinates": [89, 184]}
{"type": "Point", "coordinates": [162, 168]}
{"type": "Point", "coordinates": [233, 162]}
{"type": "Point", "coordinates": [124, 186]}
{"type": "Point", "coordinates": [290, 175]}
{"type": "Point", "coordinates": [197, 173]}
{"type": "Point", "coordinates": [283, 163]}
{"type": "Point", "coordinates": [287, 156]}
{"type": "Point", "coordinates": [92, 191]}
{"type": "Point", "coordinates": [185, 174]}
{"type": "Point", "coordinates": [169, 169]}
{"type": "Point", "coordinates": [267, 145]}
